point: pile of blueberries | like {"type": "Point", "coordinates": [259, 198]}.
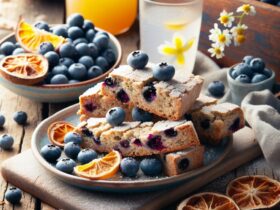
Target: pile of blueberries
{"type": "Point", "coordinates": [129, 166]}
{"type": "Point", "coordinates": [84, 56]}
{"type": "Point", "coordinates": [251, 70]}
{"type": "Point", "coordinates": [273, 2]}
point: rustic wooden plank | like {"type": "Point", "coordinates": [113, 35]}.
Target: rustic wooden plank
{"type": "Point", "coordinates": [45, 206]}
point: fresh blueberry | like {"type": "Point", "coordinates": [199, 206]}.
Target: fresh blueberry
{"type": "Point", "coordinates": [2, 56]}
{"type": "Point", "coordinates": [78, 71]}
{"type": "Point", "coordinates": [48, 78]}
{"type": "Point", "coordinates": [258, 65]}
{"type": "Point", "coordinates": [45, 47]}
{"type": "Point", "coordinates": [13, 195]}
{"type": "Point", "coordinates": [2, 120]}
{"type": "Point", "coordinates": [243, 78]}
{"type": "Point", "coordinates": [151, 166]}
{"type": "Point", "coordinates": [52, 58]}
{"type": "Point", "coordinates": [102, 33]}
{"type": "Point", "coordinates": [88, 25]}
{"type": "Point", "coordinates": [258, 78]}
{"type": "Point", "coordinates": [50, 152]}
{"type": "Point", "coordinates": [115, 116]}
{"type": "Point", "coordinates": [75, 20]}
{"type": "Point", "coordinates": [137, 59]}
{"type": "Point", "coordinates": [141, 115]}
{"type": "Point", "coordinates": [42, 25]}
{"type": "Point", "coordinates": [102, 62]}
{"type": "Point", "coordinates": [267, 72]}
{"type": "Point", "coordinates": [90, 35]}
{"type": "Point", "coordinates": [87, 61]}
{"type": "Point", "coordinates": [17, 45]}
{"type": "Point", "coordinates": [7, 48]}
{"type": "Point", "coordinates": [66, 165]}
{"type": "Point", "coordinates": [69, 40]}
{"type": "Point", "coordinates": [73, 137]}
{"type": "Point", "coordinates": [75, 32]}
{"type": "Point", "coordinates": [6, 141]}
{"type": "Point", "coordinates": [101, 41]}
{"type": "Point", "coordinates": [79, 40]}
{"type": "Point", "coordinates": [94, 71]}
{"type": "Point", "coordinates": [60, 69]}
{"type": "Point", "coordinates": [18, 51]}
{"type": "Point", "coordinates": [93, 50]}
{"type": "Point", "coordinates": [72, 149]}
{"type": "Point", "coordinates": [59, 79]}
{"type": "Point", "coordinates": [129, 166]}
{"type": "Point", "coordinates": [244, 68]}
{"type": "Point", "coordinates": [60, 31]}
{"type": "Point", "coordinates": [163, 72]}
{"type": "Point", "coordinates": [216, 88]}
{"type": "Point", "coordinates": [149, 93]}
{"type": "Point", "coordinates": [247, 59]}
{"type": "Point", "coordinates": [109, 55]}
{"type": "Point", "coordinates": [73, 81]}
{"type": "Point", "coordinates": [67, 50]}
{"type": "Point", "coordinates": [20, 117]}
{"type": "Point", "coordinates": [86, 155]}
{"type": "Point", "coordinates": [66, 62]}
{"type": "Point", "coordinates": [234, 73]}
{"type": "Point", "coordinates": [82, 49]}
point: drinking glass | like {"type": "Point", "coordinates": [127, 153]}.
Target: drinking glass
{"type": "Point", "coordinates": [169, 31]}
{"type": "Point", "coordinates": [115, 16]}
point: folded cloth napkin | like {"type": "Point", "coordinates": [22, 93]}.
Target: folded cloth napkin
{"type": "Point", "coordinates": [261, 110]}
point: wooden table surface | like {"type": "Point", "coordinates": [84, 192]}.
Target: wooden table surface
{"type": "Point", "coordinates": [53, 12]}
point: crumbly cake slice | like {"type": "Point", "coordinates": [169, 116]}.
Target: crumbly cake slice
{"type": "Point", "coordinates": [202, 101]}
{"type": "Point", "coordinates": [138, 139]}
{"type": "Point", "coordinates": [166, 99]}
{"type": "Point", "coordinates": [176, 163]}
{"type": "Point", "coordinates": [215, 122]}
{"type": "Point", "coordinates": [94, 104]}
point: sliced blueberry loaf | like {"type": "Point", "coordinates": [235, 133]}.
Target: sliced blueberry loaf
{"type": "Point", "coordinates": [94, 104]}
{"type": "Point", "coordinates": [138, 139]}
{"type": "Point", "coordinates": [217, 121]}
{"type": "Point", "coordinates": [182, 161]}
{"type": "Point", "coordinates": [167, 99]}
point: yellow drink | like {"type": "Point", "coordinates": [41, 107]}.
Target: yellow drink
{"type": "Point", "coordinates": [115, 16]}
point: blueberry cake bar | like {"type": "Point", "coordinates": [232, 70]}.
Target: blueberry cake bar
{"type": "Point", "coordinates": [217, 121]}
{"type": "Point", "coordinates": [94, 104]}
{"type": "Point", "coordinates": [182, 161]}
{"type": "Point", "coordinates": [167, 99]}
{"type": "Point", "coordinates": [138, 139]}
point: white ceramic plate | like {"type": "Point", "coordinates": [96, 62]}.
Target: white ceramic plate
{"type": "Point", "coordinates": [211, 158]}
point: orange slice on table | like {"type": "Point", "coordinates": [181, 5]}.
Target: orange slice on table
{"type": "Point", "coordinates": [57, 131]}
{"type": "Point", "coordinates": [26, 68]}
{"type": "Point", "coordinates": [254, 192]}
{"type": "Point", "coordinates": [102, 168]}
{"type": "Point", "coordinates": [30, 37]}
{"type": "Point", "coordinates": [208, 201]}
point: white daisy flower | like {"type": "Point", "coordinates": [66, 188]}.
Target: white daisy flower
{"type": "Point", "coordinates": [238, 30]}
{"type": "Point", "coordinates": [224, 38]}
{"type": "Point", "coordinates": [226, 18]}
{"type": "Point", "coordinates": [214, 32]}
{"type": "Point", "coordinates": [239, 39]}
{"type": "Point", "coordinates": [216, 50]}
{"type": "Point", "coordinates": [247, 9]}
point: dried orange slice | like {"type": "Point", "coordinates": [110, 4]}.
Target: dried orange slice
{"type": "Point", "coordinates": [26, 68]}
{"type": "Point", "coordinates": [30, 37]}
{"type": "Point", "coordinates": [175, 26]}
{"type": "Point", "coordinates": [102, 168]}
{"type": "Point", "coordinates": [57, 131]}
{"type": "Point", "coordinates": [208, 201]}
{"type": "Point", "coordinates": [254, 192]}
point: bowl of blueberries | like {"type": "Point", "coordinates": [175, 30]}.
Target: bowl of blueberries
{"type": "Point", "coordinates": [87, 57]}
{"type": "Point", "coordinates": [249, 75]}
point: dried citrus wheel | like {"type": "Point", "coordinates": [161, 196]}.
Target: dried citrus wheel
{"type": "Point", "coordinates": [208, 201]}
{"type": "Point", "coordinates": [27, 68]}
{"type": "Point", "coordinates": [57, 131]}
{"type": "Point", "coordinates": [254, 192]}
{"type": "Point", "coordinates": [30, 37]}
{"type": "Point", "coordinates": [102, 168]}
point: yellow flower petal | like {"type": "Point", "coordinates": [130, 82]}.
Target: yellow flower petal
{"type": "Point", "coordinates": [188, 45]}
{"type": "Point", "coordinates": [180, 59]}
{"type": "Point", "coordinates": [167, 50]}
{"type": "Point", "coordinates": [178, 42]}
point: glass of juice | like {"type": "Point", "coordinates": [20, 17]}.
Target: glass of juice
{"type": "Point", "coordinates": [169, 31]}
{"type": "Point", "coordinates": [115, 16]}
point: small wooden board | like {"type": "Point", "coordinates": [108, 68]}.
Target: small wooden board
{"type": "Point", "coordinates": [25, 172]}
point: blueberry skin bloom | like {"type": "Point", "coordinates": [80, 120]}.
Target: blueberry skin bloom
{"type": "Point", "coordinates": [20, 117]}
{"type": "Point", "coordinates": [2, 120]}
{"type": "Point", "coordinates": [50, 152]}
{"type": "Point", "coordinates": [6, 142]}
{"type": "Point", "coordinates": [137, 59]}
{"type": "Point", "coordinates": [216, 88]}
{"type": "Point", "coordinates": [86, 155]}
{"type": "Point", "coordinates": [66, 165]}
{"type": "Point", "coordinates": [129, 166]}
{"type": "Point", "coordinates": [151, 166]}
{"type": "Point", "coordinates": [13, 195]}
{"type": "Point", "coordinates": [115, 116]}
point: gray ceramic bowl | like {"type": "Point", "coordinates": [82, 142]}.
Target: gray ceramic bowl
{"type": "Point", "coordinates": [63, 92]}
{"type": "Point", "coordinates": [240, 90]}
